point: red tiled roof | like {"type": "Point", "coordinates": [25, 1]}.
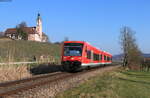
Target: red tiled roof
{"type": "Point", "coordinates": [29, 30]}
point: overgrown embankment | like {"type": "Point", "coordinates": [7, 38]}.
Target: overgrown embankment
{"type": "Point", "coordinates": [119, 84]}
{"type": "Point", "coordinates": [14, 51]}
{"type": "Point", "coordinates": [25, 51]}
{"type": "Point", "coordinates": [10, 73]}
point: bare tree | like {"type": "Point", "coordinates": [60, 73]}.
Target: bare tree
{"type": "Point", "coordinates": [22, 25]}
{"type": "Point", "coordinates": [132, 54]}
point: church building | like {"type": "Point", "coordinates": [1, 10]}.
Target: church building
{"type": "Point", "coordinates": [34, 33]}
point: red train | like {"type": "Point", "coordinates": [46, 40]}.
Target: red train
{"type": "Point", "coordinates": [77, 55]}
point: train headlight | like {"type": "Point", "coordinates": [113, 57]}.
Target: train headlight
{"type": "Point", "coordinates": [72, 58]}
{"type": "Point", "coordinates": [79, 58]}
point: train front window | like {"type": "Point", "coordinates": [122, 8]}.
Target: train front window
{"type": "Point", "coordinates": [73, 49]}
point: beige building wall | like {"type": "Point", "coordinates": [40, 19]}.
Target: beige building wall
{"type": "Point", "coordinates": [34, 37]}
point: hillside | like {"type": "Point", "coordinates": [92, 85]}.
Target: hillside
{"type": "Point", "coordinates": [26, 51]}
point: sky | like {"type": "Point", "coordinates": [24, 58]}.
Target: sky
{"type": "Point", "coordinates": [95, 21]}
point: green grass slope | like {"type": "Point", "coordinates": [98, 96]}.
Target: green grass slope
{"type": "Point", "coordinates": [119, 84]}
{"type": "Point", "coordinates": [26, 50]}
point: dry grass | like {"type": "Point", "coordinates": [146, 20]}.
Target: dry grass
{"type": "Point", "coordinates": [18, 51]}
{"type": "Point", "coordinates": [9, 72]}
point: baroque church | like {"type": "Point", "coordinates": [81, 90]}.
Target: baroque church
{"type": "Point", "coordinates": [34, 33]}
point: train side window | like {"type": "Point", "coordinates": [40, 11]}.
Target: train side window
{"type": "Point", "coordinates": [96, 57]}
{"type": "Point", "coordinates": [88, 54]}
{"type": "Point", "coordinates": [104, 57]}
{"type": "Point", "coordinates": [108, 59]}
{"type": "Point", "coordinates": [100, 57]}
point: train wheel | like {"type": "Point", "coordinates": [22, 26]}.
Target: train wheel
{"type": "Point", "coordinates": [88, 67]}
{"type": "Point", "coordinates": [66, 67]}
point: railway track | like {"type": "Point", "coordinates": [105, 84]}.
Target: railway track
{"type": "Point", "coordinates": [14, 87]}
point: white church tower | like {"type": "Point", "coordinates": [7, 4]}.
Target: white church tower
{"type": "Point", "coordinates": [39, 26]}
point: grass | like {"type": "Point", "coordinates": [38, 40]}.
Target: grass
{"type": "Point", "coordinates": [118, 84]}
{"type": "Point", "coordinates": [13, 50]}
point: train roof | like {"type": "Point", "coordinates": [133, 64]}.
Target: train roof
{"type": "Point", "coordinates": [83, 42]}
{"type": "Point", "coordinates": [74, 41]}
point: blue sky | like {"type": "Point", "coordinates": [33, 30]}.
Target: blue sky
{"type": "Point", "coordinates": [95, 21]}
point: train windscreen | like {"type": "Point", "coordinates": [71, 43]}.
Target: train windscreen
{"type": "Point", "coordinates": [73, 49]}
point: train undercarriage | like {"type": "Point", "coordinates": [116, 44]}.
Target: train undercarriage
{"type": "Point", "coordinates": [72, 66]}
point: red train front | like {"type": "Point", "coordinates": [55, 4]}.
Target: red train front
{"type": "Point", "coordinates": [77, 55]}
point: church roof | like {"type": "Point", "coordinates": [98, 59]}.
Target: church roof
{"type": "Point", "coordinates": [29, 30]}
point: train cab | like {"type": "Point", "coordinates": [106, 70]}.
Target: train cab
{"type": "Point", "coordinates": [72, 55]}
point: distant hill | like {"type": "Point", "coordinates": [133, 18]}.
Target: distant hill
{"type": "Point", "coordinates": [146, 55]}
{"type": "Point", "coordinates": [120, 56]}
{"type": "Point", "coordinates": [117, 57]}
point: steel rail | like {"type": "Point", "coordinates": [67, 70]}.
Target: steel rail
{"type": "Point", "coordinates": [32, 85]}
{"type": "Point", "coordinates": [5, 84]}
